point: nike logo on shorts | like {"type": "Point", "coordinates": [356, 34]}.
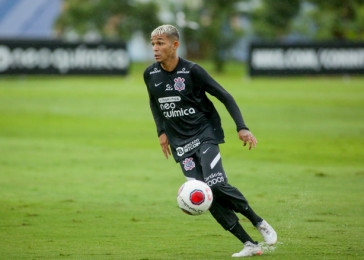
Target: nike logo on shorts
{"type": "Point", "coordinates": [156, 85]}
{"type": "Point", "coordinates": [206, 150]}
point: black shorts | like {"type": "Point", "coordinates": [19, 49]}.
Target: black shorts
{"type": "Point", "coordinates": [205, 165]}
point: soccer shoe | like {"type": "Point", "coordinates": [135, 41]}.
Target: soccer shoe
{"type": "Point", "coordinates": [268, 233]}
{"type": "Point", "coordinates": [249, 249]}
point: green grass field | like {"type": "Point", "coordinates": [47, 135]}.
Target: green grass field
{"type": "Point", "coordinates": [82, 175]}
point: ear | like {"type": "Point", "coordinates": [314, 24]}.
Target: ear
{"type": "Point", "coordinates": [176, 44]}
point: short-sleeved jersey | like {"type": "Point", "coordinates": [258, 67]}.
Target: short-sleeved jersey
{"type": "Point", "coordinates": [182, 110]}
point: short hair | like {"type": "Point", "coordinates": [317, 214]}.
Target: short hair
{"type": "Point", "coordinates": [166, 29]}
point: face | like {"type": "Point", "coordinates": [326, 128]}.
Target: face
{"type": "Point", "coordinates": [164, 48]}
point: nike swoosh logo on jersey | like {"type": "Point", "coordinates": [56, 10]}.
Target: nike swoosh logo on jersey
{"type": "Point", "coordinates": [206, 150]}
{"type": "Point", "coordinates": [156, 85]}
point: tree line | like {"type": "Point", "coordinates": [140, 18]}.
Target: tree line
{"type": "Point", "coordinates": [211, 28]}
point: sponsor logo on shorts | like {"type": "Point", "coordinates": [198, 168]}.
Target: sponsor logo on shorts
{"type": "Point", "coordinates": [188, 147]}
{"type": "Point", "coordinates": [188, 164]}
{"type": "Point", "coordinates": [214, 178]}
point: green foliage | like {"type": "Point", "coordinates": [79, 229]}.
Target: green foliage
{"type": "Point", "coordinates": [82, 175]}
{"type": "Point", "coordinates": [314, 19]}
{"type": "Point", "coordinates": [111, 19]}
{"type": "Point", "coordinates": [340, 20]}
{"type": "Point", "coordinates": [272, 20]}
{"type": "Point", "coordinates": [219, 30]}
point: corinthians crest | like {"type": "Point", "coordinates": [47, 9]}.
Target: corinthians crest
{"type": "Point", "coordinates": [188, 164]}
{"type": "Point", "coordinates": [179, 84]}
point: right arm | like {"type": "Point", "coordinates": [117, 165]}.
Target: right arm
{"type": "Point", "coordinates": [163, 140]}
{"type": "Point", "coordinates": [154, 107]}
{"type": "Point", "coordinates": [158, 119]}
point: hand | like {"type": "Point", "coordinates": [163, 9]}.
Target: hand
{"type": "Point", "coordinates": [247, 137]}
{"type": "Point", "coordinates": [163, 140]}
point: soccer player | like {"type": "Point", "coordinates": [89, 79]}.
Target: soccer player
{"type": "Point", "coordinates": [189, 126]}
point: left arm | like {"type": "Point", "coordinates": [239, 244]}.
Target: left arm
{"type": "Point", "coordinates": [215, 89]}
{"type": "Point", "coordinates": [247, 137]}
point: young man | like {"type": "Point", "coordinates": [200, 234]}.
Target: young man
{"type": "Point", "coordinates": [189, 126]}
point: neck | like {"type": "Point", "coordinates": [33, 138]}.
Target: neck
{"type": "Point", "coordinates": [170, 64]}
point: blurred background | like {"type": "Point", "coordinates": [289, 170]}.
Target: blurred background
{"type": "Point", "coordinates": [82, 175]}
{"type": "Point", "coordinates": [215, 30]}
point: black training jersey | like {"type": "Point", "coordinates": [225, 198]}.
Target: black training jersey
{"type": "Point", "coordinates": [182, 110]}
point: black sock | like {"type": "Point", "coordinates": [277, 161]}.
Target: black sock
{"type": "Point", "coordinates": [249, 213]}
{"type": "Point", "coordinates": [241, 234]}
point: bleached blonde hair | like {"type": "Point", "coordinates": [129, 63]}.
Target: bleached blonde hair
{"type": "Point", "coordinates": [166, 29]}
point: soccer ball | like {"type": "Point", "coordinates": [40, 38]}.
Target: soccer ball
{"type": "Point", "coordinates": [194, 197]}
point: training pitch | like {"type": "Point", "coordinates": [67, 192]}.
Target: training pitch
{"type": "Point", "coordinates": [82, 175]}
